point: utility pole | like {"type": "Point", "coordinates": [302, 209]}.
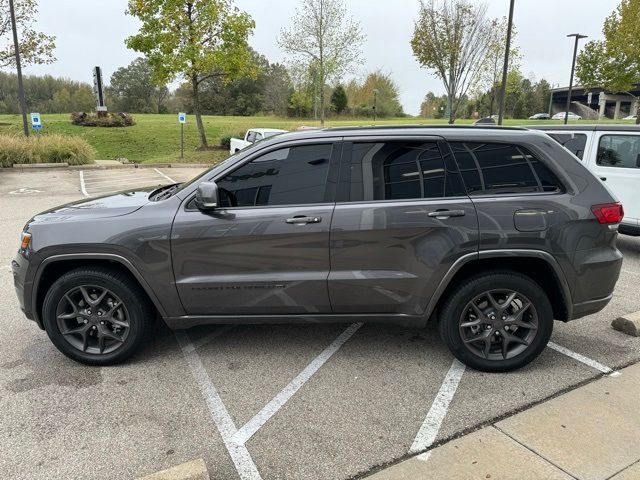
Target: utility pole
{"type": "Point", "coordinates": [375, 101]}
{"type": "Point", "coordinates": [505, 67]}
{"type": "Point", "coordinates": [550, 99]}
{"type": "Point", "coordinates": [573, 67]}
{"type": "Point", "coordinates": [16, 46]}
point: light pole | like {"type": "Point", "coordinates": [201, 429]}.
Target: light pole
{"type": "Point", "coordinates": [573, 67]}
{"type": "Point", "coordinates": [375, 101]}
{"type": "Point", "coordinates": [16, 46]}
{"type": "Point", "coordinates": [505, 67]}
{"type": "Point", "coordinates": [550, 100]}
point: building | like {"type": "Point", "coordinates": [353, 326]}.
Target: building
{"type": "Point", "coordinates": [595, 102]}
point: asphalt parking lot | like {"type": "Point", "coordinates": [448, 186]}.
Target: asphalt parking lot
{"type": "Point", "coordinates": [294, 402]}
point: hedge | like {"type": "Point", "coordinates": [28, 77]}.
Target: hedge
{"type": "Point", "coordinates": [44, 149]}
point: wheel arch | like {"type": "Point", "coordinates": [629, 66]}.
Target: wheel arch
{"type": "Point", "coordinates": [57, 265]}
{"type": "Point", "coordinates": [538, 265]}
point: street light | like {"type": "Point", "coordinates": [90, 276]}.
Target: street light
{"type": "Point", "coordinates": [573, 67]}
{"type": "Point", "coordinates": [375, 101]}
{"type": "Point", "coordinates": [505, 66]}
{"type": "Point", "coordinates": [16, 46]}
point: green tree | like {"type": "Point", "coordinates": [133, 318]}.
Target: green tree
{"type": "Point", "coordinates": [131, 89]}
{"type": "Point", "coordinates": [451, 38]}
{"type": "Point", "coordinates": [35, 47]}
{"type": "Point", "coordinates": [361, 95]}
{"type": "Point", "coordinates": [277, 89]}
{"type": "Point", "coordinates": [339, 99]}
{"type": "Point", "coordinates": [194, 39]}
{"type": "Point", "coordinates": [62, 101]}
{"type": "Point", "coordinates": [323, 37]}
{"type": "Point", "coordinates": [614, 63]}
{"type": "Point", "coordinates": [83, 99]}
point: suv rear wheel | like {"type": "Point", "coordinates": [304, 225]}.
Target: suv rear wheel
{"type": "Point", "coordinates": [497, 321]}
{"type": "Point", "coordinates": [96, 316]}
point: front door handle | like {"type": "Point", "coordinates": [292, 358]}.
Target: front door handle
{"type": "Point", "coordinates": [303, 220]}
{"type": "Point", "coordinates": [441, 214]}
{"type": "Point", "coordinates": [604, 179]}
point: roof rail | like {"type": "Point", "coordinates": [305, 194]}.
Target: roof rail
{"type": "Point", "coordinates": [419, 127]}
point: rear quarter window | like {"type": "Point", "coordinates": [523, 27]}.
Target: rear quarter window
{"type": "Point", "coordinates": [503, 169]}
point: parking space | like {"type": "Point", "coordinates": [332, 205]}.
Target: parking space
{"type": "Point", "coordinates": [280, 401]}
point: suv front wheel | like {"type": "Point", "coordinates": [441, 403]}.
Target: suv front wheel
{"type": "Point", "coordinates": [96, 316]}
{"type": "Point", "coordinates": [497, 321]}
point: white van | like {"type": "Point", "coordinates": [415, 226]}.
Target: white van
{"type": "Point", "coordinates": [612, 152]}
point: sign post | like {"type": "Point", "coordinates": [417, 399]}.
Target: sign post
{"type": "Point", "coordinates": [101, 106]}
{"type": "Point", "coordinates": [182, 118]}
{"type": "Point", "coordinates": [36, 122]}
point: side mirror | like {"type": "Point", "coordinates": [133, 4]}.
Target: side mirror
{"type": "Point", "coordinates": [207, 196]}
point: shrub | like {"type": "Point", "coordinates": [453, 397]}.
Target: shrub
{"type": "Point", "coordinates": [110, 120]}
{"type": "Point", "coordinates": [225, 140]}
{"type": "Point", "coordinates": [44, 149]}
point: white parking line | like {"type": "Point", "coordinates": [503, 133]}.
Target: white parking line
{"type": "Point", "coordinates": [433, 421]}
{"type": "Point", "coordinates": [165, 176]}
{"type": "Point", "coordinates": [83, 189]}
{"type": "Point", "coordinates": [581, 358]}
{"type": "Point", "coordinates": [271, 408]}
{"type": "Point", "coordinates": [239, 454]}
{"type": "Point", "coordinates": [202, 341]}
{"type": "Point", "coordinates": [234, 439]}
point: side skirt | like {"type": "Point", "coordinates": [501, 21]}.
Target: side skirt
{"type": "Point", "coordinates": [188, 321]}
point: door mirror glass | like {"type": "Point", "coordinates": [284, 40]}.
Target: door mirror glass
{"type": "Point", "coordinates": [207, 196]}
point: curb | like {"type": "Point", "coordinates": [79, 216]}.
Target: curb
{"type": "Point", "coordinates": [629, 324]}
{"type": "Point", "coordinates": [193, 470]}
{"type": "Point", "coordinates": [92, 166]}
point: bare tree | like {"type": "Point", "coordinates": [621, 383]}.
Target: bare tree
{"type": "Point", "coordinates": [490, 76]}
{"type": "Point", "coordinates": [323, 36]}
{"type": "Point", "coordinates": [452, 38]}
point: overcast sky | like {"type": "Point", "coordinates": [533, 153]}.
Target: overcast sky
{"type": "Point", "coordinates": [92, 32]}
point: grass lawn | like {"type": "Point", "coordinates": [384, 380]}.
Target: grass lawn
{"type": "Point", "coordinates": [156, 138]}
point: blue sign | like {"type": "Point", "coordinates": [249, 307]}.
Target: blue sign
{"type": "Point", "coordinates": [37, 127]}
{"type": "Point", "coordinates": [182, 117]}
{"type": "Point", "coordinates": [36, 121]}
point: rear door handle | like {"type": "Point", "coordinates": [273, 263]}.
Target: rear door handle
{"type": "Point", "coordinates": [303, 220]}
{"type": "Point", "coordinates": [604, 179]}
{"type": "Point", "coordinates": [440, 214]}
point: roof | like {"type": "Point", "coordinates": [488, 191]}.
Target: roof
{"type": "Point", "coordinates": [267, 130]}
{"type": "Point", "coordinates": [589, 128]}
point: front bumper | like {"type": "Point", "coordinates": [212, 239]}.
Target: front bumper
{"type": "Point", "coordinates": [20, 268]}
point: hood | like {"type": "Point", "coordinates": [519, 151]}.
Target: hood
{"type": "Point", "coordinates": [112, 205]}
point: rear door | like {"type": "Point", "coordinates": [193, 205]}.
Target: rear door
{"type": "Point", "coordinates": [616, 161]}
{"type": "Point", "coordinates": [401, 220]}
{"type": "Point", "coordinates": [265, 250]}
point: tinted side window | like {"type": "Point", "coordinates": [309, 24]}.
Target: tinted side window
{"type": "Point", "coordinates": [288, 176]}
{"type": "Point", "coordinates": [397, 170]}
{"type": "Point", "coordinates": [621, 151]}
{"type": "Point", "coordinates": [495, 168]}
{"type": "Point", "coordinates": [574, 142]}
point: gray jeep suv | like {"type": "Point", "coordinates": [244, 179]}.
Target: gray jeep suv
{"type": "Point", "coordinates": [491, 232]}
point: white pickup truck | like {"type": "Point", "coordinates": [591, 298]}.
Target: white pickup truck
{"type": "Point", "coordinates": [612, 153]}
{"type": "Point", "coordinates": [252, 136]}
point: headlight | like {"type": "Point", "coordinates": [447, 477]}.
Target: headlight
{"type": "Point", "coordinates": [26, 241]}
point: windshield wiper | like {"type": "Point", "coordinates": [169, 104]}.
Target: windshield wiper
{"type": "Point", "coordinates": [166, 192]}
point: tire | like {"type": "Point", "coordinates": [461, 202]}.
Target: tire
{"type": "Point", "coordinates": [94, 330]}
{"type": "Point", "coordinates": [476, 329]}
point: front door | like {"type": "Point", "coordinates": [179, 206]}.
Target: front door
{"type": "Point", "coordinates": [265, 251]}
{"type": "Point", "coordinates": [402, 219]}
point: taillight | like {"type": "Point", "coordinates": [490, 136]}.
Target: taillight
{"type": "Point", "coordinates": [608, 212]}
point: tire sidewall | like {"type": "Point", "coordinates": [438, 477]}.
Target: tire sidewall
{"type": "Point", "coordinates": [130, 299]}
{"type": "Point", "coordinates": [453, 310]}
